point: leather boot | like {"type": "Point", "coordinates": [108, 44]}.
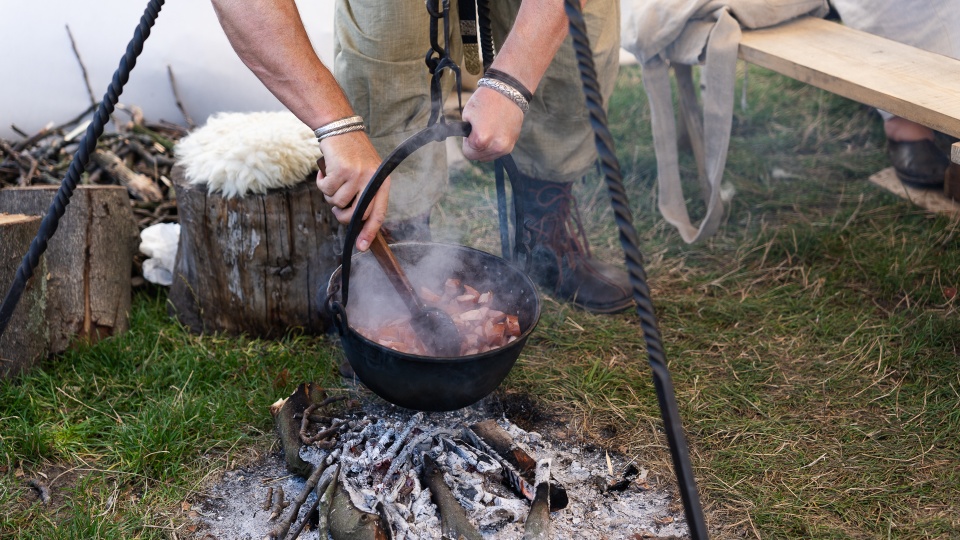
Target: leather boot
{"type": "Point", "coordinates": [559, 261]}
{"type": "Point", "coordinates": [416, 229]}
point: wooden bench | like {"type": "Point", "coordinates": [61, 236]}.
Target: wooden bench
{"type": "Point", "coordinates": [911, 83]}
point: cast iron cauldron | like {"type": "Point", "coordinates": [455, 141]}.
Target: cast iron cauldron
{"type": "Point", "coordinates": [413, 381]}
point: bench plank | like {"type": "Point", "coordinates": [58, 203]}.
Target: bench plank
{"type": "Point", "coordinates": [906, 81]}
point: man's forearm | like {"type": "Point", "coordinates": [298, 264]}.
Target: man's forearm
{"type": "Point", "coordinates": [536, 36]}
{"type": "Point", "coordinates": [269, 37]}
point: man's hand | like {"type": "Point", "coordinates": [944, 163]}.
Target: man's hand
{"type": "Point", "coordinates": [350, 162]}
{"type": "Point", "coordinates": [495, 125]}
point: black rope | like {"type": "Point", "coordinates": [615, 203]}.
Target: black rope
{"type": "Point", "coordinates": [638, 279]}
{"type": "Point", "coordinates": [87, 145]}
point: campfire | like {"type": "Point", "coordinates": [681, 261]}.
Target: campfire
{"type": "Point", "coordinates": [382, 472]}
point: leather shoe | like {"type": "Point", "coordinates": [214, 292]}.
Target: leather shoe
{"type": "Point", "coordinates": [918, 163]}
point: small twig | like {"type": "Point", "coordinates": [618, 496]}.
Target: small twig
{"type": "Point", "coordinates": [283, 526]}
{"type": "Point", "coordinates": [176, 97]}
{"type": "Point", "coordinates": [34, 139]}
{"type": "Point", "coordinates": [153, 159]}
{"type": "Point", "coordinates": [83, 68]}
{"type": "Point", "coordinates": [321, 435]}
{"type": "Point", "coordinates": [76, 119]}
{"type": "Point", "coordinates": [303, 523]}
{"type": "Point", "coordinates": [278, 505]}
{"type": "Point", "coordinates": [27, 163]}
{"type": "Point", "coordinates": [267, 503]}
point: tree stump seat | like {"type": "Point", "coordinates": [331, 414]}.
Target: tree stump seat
{"type": "Point", "coordinates": [256, 265]}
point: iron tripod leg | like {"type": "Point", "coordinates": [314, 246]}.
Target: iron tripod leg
{"type": "Point", "coordinates": [641, 293]}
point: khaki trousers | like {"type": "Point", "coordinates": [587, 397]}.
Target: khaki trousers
{"type": "Point", "coordinates": [380, 46]}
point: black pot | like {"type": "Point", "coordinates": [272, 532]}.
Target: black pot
{"type": "Point", "coordinates": [431, 383]}
{"type": "Point", "coordinates": [425, 382]}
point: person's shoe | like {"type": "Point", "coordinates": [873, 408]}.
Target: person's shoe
{"type": "Point", "coordinates": [556, 259]}
{"type": "Point", "coordinates": [918, 163]}
{"type": "Point", "coordinates": [415, 229]}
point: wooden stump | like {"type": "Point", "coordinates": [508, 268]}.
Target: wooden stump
{"type": "Point", "coordinates": [256, 265]}
{"type": "Point", "coordinates": [89, 260]}
{"type": "Point", "coordinates": [26, 339]}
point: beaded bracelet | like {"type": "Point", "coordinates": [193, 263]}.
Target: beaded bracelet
{"type": "Point", "coordinates": [339, 127]}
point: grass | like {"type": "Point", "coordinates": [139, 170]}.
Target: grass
{"type": "Point", "coordinates": [813, 345]}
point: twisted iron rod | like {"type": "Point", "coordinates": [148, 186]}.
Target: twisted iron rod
{"type": "Point", "coordinates": [666, 396]}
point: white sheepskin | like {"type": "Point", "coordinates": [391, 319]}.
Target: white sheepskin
{"type": "Point", "coordinates": [241, 153]}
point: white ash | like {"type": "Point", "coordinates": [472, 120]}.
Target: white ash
{"type": "Point", "coordinates": [380, 465]}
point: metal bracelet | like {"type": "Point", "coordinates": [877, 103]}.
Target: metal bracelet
{"type": "Point", "coordinates": [506, 91]}
{"type": "Point", "coordinates": [323, 131]}
{"type": "Point", "coordinates": [347, 129]}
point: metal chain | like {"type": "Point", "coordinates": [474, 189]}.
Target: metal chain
{"type": "Point", "coordinates": [438, 58]}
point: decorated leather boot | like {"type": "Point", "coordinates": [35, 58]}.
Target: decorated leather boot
{"type": "Point", "coordinates": [557, 259]}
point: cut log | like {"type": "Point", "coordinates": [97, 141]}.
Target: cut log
{"type": "Point", "coordinates": [256, 265]}
{"type": "Point", "coordinates": [26, 339]}
{"type": "Point", "coordinates": [89, 260]}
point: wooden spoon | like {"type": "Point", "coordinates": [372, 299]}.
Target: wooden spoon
{"type": "Point", "coordinates": [433, 326]}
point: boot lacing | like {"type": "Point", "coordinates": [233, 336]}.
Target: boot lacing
{"type": "Point", "coordinates": [557, 226]}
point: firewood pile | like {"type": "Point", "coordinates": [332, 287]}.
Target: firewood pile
{"type": "Point", "coordinates": [136, 154]}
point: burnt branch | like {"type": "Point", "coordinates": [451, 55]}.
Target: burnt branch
{"type": "Point", "coordinates": [280, 531]}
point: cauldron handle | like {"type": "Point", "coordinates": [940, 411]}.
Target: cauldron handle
{"type": "Point", "coordinates": [435, 133]}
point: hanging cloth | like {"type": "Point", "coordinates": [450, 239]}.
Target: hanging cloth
{"type": "Point", "coordinates": [683, 33]}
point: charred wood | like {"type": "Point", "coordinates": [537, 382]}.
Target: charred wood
{"type": "Point", "coordinates": [537, 526]}
{"type": "Point", "coordinates": [504, 445]}
{"type": "Point", "coordinates": [280, 531]}
{"type": "Point", "coordinates": [347, 522]}
{"type": "Point", "coordinates": [453, 519]}
{"type": "Point", "coordinates": [288, 428]}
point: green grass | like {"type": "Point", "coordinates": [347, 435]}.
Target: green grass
{"type": "Point", "coordinates": [813, 344]}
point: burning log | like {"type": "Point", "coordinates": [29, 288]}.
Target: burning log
{"type": "Point", "coordinates": [323, 525]}
{"type": "Point", "coordinates": [269, 502]}
{"type": "Point", "coordinates": [453, 519]}
{"type": "Point", "coordinates": [503, 443]}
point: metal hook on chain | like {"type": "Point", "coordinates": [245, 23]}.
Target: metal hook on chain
{"type": "Point", "coordinates": [438, 58]}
